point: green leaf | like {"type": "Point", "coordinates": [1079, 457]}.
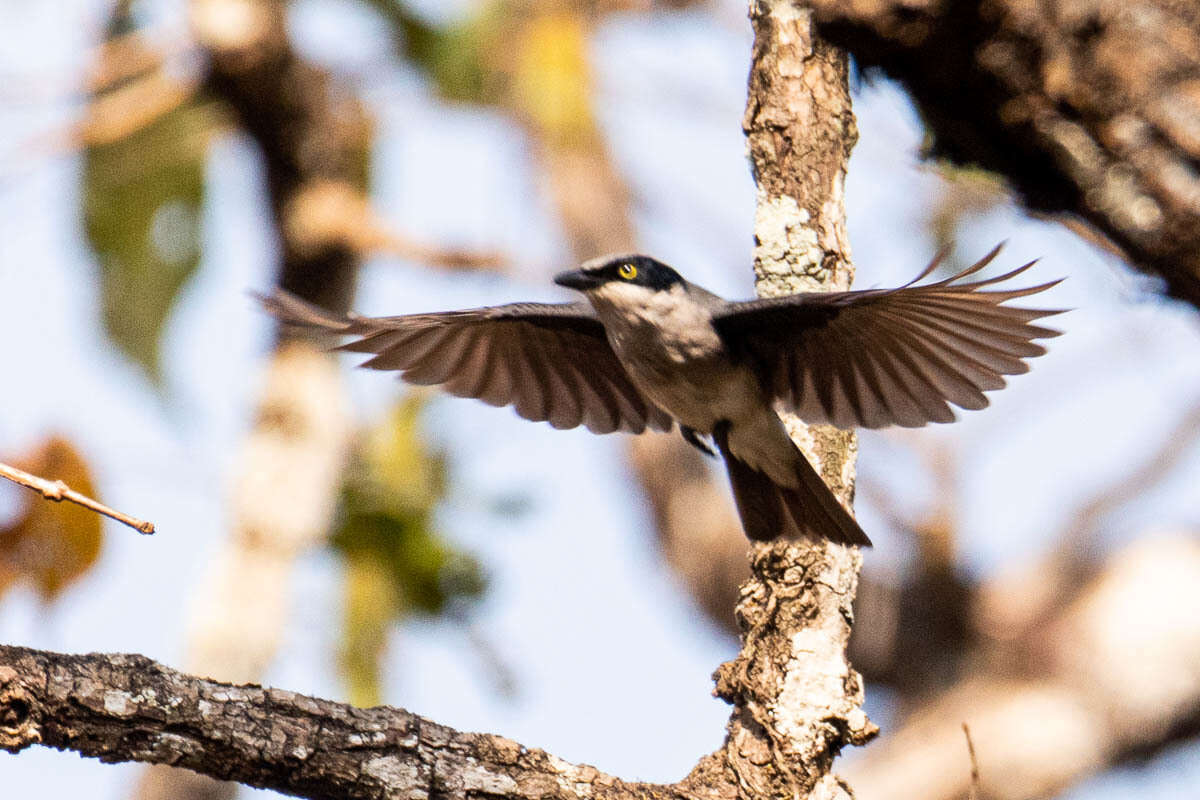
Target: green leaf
{"type": "Point", "coordinates": [397, 563]}
{"type": "Point", "coordinates": [142, 199]}
{"type": "Point", "coordinates": [531, 60]}
{"type": "Point", "coordinates": [370, 608]}
{"type": "Point", "coordinates": [459, 57]}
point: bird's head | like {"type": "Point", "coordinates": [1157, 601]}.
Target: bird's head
{"type": "Point", "coordinates": [606, 274]}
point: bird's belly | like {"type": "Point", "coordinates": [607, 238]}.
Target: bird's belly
{"type": "Point", "coordinates": [698, 395]}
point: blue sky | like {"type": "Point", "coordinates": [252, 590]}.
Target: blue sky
{"type": "Point", "coordinates": [583, 611]}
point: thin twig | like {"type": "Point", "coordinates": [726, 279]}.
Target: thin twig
{"type": "Point", "coordinates": [59, 491]}
{"type": "Point", "coordinates": [973, 793]}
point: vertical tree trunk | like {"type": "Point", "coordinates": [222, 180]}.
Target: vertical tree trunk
{"type": "Point", "coordinates": [797, 701]}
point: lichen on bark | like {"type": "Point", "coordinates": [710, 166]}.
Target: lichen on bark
{"type": "Point", "coordinates": [797, 700]}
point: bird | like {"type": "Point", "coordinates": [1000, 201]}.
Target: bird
{"type": "Point", "coordinates": [646, 349]}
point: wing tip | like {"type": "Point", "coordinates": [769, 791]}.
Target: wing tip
{"type": "Point", "coordinates": [294, 311]}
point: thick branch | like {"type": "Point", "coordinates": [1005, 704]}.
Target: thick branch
{"type": "Point", "coordinates": [797, 701]}
{"type": "Point", "coordinates": [129, 708]}
{"type": "Point", "coordinates": [1089, 108]}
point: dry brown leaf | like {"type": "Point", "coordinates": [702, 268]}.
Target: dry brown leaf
{"type": "Point", "coordinates": [51, 544]}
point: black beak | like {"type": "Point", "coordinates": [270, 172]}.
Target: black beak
{"type": "Point", "coordinates": [577, 279]}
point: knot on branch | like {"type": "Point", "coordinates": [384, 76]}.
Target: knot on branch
{"type": "Point", "coordinates": [797, 700]}
{"type": "Point", "coordinates": [18, 726]}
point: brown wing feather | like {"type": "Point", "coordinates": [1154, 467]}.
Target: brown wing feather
{"type": "Point", "coordinates": [889, 356]}
{"type": "Point", "coordinates": [551, 362]}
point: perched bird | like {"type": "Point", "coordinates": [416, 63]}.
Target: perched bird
{"type": "Point", "coordinates": [647, 349]}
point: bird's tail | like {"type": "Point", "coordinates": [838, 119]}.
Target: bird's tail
{"type": "Point", "coordinates": [769, 510]}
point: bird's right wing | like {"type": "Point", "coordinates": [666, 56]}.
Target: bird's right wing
{"type": "Point", "coordinates": [551, 362]}
{"type": "Point", "coordinates": [888, 356]}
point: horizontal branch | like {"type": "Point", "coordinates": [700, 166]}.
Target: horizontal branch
{"type": "Point", "coordinates": [59, 491]}
{"type": "Point", "coordinates": [117, 707]}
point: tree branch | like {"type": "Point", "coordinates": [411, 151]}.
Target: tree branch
{"type": "Point", "coordinates": [59, 491]}
{"type": "Point", "coordinates": [1090, 109]}
{"type": "Point", "coordinates": [117, 707]}
{"type": "Point", "coordinates": [1112, 677]}
{"type": "Point", "coordinates": [797, 701]}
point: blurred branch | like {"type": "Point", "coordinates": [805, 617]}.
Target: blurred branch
{"type": "Point", "coordinates": [120, 112]}
{"type": "Point", "coordinates": [1111, 677]}
{"type": "Point", "coordinates": [325, 214]}
{"type": "Point", "coordinates": [973, 792]}
{"type": "Point", "coordinates": [1011, 606]}
{"type": "Point", "coordinates": [113, 115]}
{"type": "Point", "coordinates": [917, 635]}
{"type": "Point", "coordinates": [1020, 620]}
{"type": "Point", "coordinates": [1089, 112]}
{"type": "Point", "coordinates": [125, 56]}
{"type": "Point", "coordinates": [1075, 543]}
{"type": "Point", "coordinates": [112, 62]}
{"type": "Point", "coordinates": [59, 491]}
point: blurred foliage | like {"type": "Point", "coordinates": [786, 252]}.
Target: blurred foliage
{"type": "Point", "coordinates": [530, 59]}
{"type": "Point", "coordinates": [142, 195]}
{"type": "Point", "coordinates": [551, 85]}
{"type": "Point", "coordinates": [50, 544]}
{"type": "Point", "coordinates": [397, 563]}
{"type": "Point", "coordinates": [453, 55]}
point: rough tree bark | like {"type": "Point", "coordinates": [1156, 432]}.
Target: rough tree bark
{"type": "Point", "coordinates": [127, 707]}
{"type": "Point", "coordinates": [1089, 108]}
{"type": "Point", "coordinates": [797, 701]}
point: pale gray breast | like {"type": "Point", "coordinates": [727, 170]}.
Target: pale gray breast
{"type": "Point", "coordinates": [666, 342]}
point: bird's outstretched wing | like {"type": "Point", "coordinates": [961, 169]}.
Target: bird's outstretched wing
{"type": "Point", "coordinates": [551, 362]}
{"type": "Point", "coordinates": [888, 356]}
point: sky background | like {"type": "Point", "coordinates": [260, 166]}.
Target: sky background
{"type": "Point", "coordinates": [611, 659]}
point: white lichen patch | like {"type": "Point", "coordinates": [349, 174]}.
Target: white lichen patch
{"type": "Point", "coordinates": [573, 778]}
{"type": "Point", "coordinates": [817, 672]}
{"type": "Point", "coordinates": [374, 738]}
{"type": "Point", "coordinates": [396, 774]}
{"type": "Point", "coordinates": [787, 254]}
{"type": "Point", "coordinates": [850, 464]}
{"type": "Point", "coordinates": [118, 703]}
{"type": "Point", "coordinates": [477, 777]}
{"type": "Point", "coordinates": [175, 743]}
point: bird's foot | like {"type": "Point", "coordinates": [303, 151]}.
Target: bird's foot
{"type": "Point", "coordinates": [692, 438]}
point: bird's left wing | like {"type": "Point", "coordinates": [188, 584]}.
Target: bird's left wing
{"type": "Point", "coordinates": [887, 356]}
{"type": "Point", "coordinates": [551, 362]}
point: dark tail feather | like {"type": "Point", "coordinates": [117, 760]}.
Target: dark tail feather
{"type": "Point", "coordinates": [769, 510]}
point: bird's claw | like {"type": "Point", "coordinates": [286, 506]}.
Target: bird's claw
{"type": "Point", "coordinates": [692, 438]}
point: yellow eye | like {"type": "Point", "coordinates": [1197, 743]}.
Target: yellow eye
{"type": "Point", "coordinates": [627, 271]}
